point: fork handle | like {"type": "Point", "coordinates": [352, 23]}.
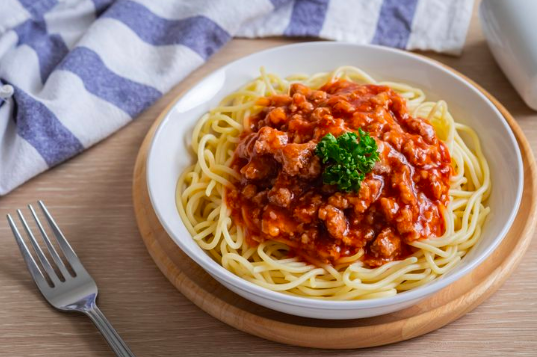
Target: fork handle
{"type": "Point", "coordinates": [109, 333]}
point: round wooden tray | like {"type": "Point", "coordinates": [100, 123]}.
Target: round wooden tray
{"type": "Point", "coordinates": [444, 307]}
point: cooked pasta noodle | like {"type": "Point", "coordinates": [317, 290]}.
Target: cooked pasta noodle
{"type": "Point", "coordinates": [201, 202]}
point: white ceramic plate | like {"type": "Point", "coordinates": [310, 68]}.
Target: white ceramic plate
{"type": "Point", "coordinates": [169, 156]}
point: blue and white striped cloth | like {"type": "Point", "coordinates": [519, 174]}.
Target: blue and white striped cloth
{"type": "Point", "coordinates": [75, 71]}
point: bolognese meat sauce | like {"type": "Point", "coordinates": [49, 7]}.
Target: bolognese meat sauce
{"type": "Point", "coordinates": [281, 195]}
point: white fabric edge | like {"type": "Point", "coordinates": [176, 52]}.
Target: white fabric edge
{"type": "Point", "coordinates": [455, 27]}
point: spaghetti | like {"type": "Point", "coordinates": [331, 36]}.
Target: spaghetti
{"type": "Point", "coordinates": [208, 202]}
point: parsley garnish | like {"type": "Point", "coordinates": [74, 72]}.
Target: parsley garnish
{"type": "Point", "coordinates": [346, 159]}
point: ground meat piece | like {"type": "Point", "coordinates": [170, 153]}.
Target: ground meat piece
{"type": "Point", "coordinates": [338, 200]}
{"type": "Point", "coordinates": [404, 220]}
{"type": "Point", "coordinates": [308, 207]}
{"type": "Point", "coordinates": [293, 183]}
{"type": "Point", "coordinates": [280, 196]}
{"type": "Point", "coordinates": [382, 99]}
{"type": "Point", "coordinates": [280, 100]}
{"type": "Point", "coordinates": [343, 107]}
{"type": "Point", "coordinates": [305, 239]}
{"type": "Point", "coordinates": [245, 149]}
{"type": "Point", "coordinates": [368, 234]}
{"type": "Point", "coordinates": [277, 116]}
{"type": "Point", "coordinates": [317, 96]}
{"type": "Point", "coordinates": [386, 244]}
{"type": "Point", "coordinates": [389, 207]}
{"type": "Point", "coordinates": [249, 191]}
{"type": "Point", "coordinates": [319, 113]}
{"type": "Point", "coordinates": [423, 128]}
{"type": "Point", "coordinates": [375, 187]}
{"type": "Point", "coordinates": [275, 223]}
{"type": "Point", "coordinates": [258, 168]}
{"type": "Point", "coordinates": [436, 188]}
{"type": "Point", "coordinates": [302, 129]}
{"type": "Point", "coordinates": [260, 198]}
{"type": "Point", "coordinates": [305, 107]}
{"type": "Point", "coordinates": [335, 221]}
{"type": "Point", "coordinates": [415, 154]}
{"type": "Point", "coordinates": [270, 141]}
{"type": "Point", "coordinates": [369, 191]}
{"type": "Point", "coordinates": [402, 180]}
{"type": "Point", "coordinates": [395, 138]}
{"type": "Point", "coordinates": [299, 99]}
{"type": "Point", "coordinates": [381, 168]}
{"type": "Point", "coordinates": [312, 169]}
{"type": "Point", "coordinates": [299, 88]}
{"type": "Point", "coordinates": [232, 199]}
{"type": "Point", "coordinates": [330, 125]}
{"type": "Point", "coordinates": [295, 157]}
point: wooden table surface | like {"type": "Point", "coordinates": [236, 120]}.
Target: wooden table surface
{"type": "Point", "coordinates": [90, 196]}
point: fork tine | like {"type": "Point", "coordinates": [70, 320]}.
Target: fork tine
{"type": "Point", "coordinates": [42, 258]}
{"type": "Point", "coordinates": [64, 245]}
{"type": "Point", "coordinates": [53, 253]}
{"type": "Point", "coordinates": [38, 277]}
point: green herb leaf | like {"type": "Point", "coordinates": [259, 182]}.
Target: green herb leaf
{"type": "Point", "coordinates": [347, 160]}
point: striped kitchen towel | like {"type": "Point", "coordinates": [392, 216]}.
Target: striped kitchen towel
{"type": "Point", "coordinates": [72, 72]}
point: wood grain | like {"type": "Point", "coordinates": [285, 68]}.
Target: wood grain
{"type": "Point", "coordinates": [444, 307]}
{"type": "Point", "coordinates": [90, 196]}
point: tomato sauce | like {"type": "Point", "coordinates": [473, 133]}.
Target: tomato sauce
{"type": "Point", "coordinates": [281, 195]}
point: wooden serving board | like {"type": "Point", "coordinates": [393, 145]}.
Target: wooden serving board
{"type": "Point", "coordinates": [444, 307]}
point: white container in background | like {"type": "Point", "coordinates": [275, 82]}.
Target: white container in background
{"type": "Point", "coordinates": [510, 27]}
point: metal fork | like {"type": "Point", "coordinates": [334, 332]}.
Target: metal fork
{"type": "Point", "coordinates": [67, 292]}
